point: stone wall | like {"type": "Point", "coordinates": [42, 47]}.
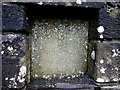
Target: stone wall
{"type": "Point", "coordinates": [103, 52]}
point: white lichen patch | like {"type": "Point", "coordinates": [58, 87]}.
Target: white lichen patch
{"type": "Point", "coordinates": [22, 73]}
{"type": "Point", "coordinates": [10, 48]}
{"type": "Point", "coordinates": [12, 79]}
{"type": "Point", "coordinates": [100, 29]}
{"type": "Point", "coordinates": [101, 36]}
{"type": "Point", "coordinates": [5, 4]}
{"type": "Point", "coordinates": [44, 76]}
{"type": "Point", "coordinates": [106, 79]}
{"type": "Point", "coordinates": [116, 68]}
{"type": "Point", "coordinates": [47, 76]}
{"type": "Point", "coordinates": [54, 75]}
{"type": "Point", "coordinates": [12, 82]}
{"type": "Point", "coordinates": [77, 76]}
{"type": "Point", "coordinates": [68, 77]}
{"type": "Point", "coordinates": [12, 36]}
{"type": "Point", "coordinates": [6, 78]}
{"type": "Point", "coordinates": [2, 52]}
{"type": "Point", "coordinates": [116, 53]}
{"type": "Point", "coordinates": [79, 1]}
{"type": "Point", "coordinates": [16, 54]}
{"type": "Point", "coordinates": [36, 75]}
{"type": "Point", "coordinates": [100, 80]}
{"type": "Point", "coordinates": [40, 3]}
{"type": "Point", "coordinates": [101, 61]}
{"type": "Point", "coordinates": [9, 86]}
{"type": "Point", "coordinates": [21, 80]}
{"type": "Point", "coordinates": [93, 55]}
{"type": "Point", "coordinates": [102, 70]}
{"type": "Point", "coordinates": [116, 87]}
{"type": "Point", "coordinates": [115, 79]}
{"type": "Point", "coordinates": [73, 76]}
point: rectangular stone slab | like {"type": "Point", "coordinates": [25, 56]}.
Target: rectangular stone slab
{"type": "Point", "coordinates": [14, 60]}
{"type": "Point", "coordinates": [59, 46]}
{"type": "Point", "coordinates": [107, 61]}
{"type": "Point", "coordinates": [13, 17]}
{"type": "Point", "coordinates": [109, 18]}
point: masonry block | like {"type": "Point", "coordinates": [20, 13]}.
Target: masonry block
{"type": "Point", "coordinates": [13, 17]}
{"type": "Point", "coordinates": [104, 63]}
{"type": "Point", "coordinates": [107, 61]}
{"type": "Point", "coordinates": [14, 60]}
{"type": "Point", "coordinates": [109, 19]}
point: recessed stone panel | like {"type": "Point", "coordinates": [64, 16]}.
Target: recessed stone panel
{"type": "Point", "coordinates": [59, 46]}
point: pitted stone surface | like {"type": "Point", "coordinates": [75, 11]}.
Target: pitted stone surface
{"type": "Point", "coordinates": [107, 63]}
{"type": "Point", "coordinates": [13, 17]}
{"type": "Point", "coordinates": [59, 46]}
{"type": "Point", "coordinates": [106, 54]}
{"type": "Point", "coordinates": [14, 60]}
{"type": "Point", "coordinates": [109, 18]}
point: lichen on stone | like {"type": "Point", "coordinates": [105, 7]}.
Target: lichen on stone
{"type": "Point", "coordinates": [59, 46]}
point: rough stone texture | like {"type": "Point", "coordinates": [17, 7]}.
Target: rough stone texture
{"type": "Point", "coordinates": [59, 46]}
{"type": "Point", "coordinates": [83, 4]}
{"type": "Point", "coordinates": [55, 82]}
{"type": "Point", "coordinates": [107, 61]}
{"type": "Point", "coordinates": [96, 5]}
{"type": "Point", "coordinates": [73, 86]}
{"type": "Point", "coordinates": [109, 18]}
{"type": "Point", "coordinates": [91, 59]}
{"type": "Point", "coordinates": [14, 60]}
{"type": "Point", "coordinates": [13, 17]}
{"type": "Point", "coordinates": [7, 0]}
{"type": "Point", "coordinates": [111, 87]}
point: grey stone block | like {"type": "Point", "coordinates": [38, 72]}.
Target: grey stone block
{"type": "Point", "coordinates": [107, 62]}
{"type": "Point", "coordinates": [109, 19]}
{"type": "Point", "coordinates": [14, 60]}
{"type": "Point", "coordinates": [13, 17]}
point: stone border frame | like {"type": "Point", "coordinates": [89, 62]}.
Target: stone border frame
{"type": "Point", "coordinates": [108, 17]}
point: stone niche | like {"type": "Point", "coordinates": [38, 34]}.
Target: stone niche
{"type": "Point", "coordinates": [59, 42]}
{"type": "Point", "coordinates": [59, 46]}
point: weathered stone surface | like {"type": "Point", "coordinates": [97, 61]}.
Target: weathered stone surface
{"type": "Point", "coordinates": [83, 4]}
{"type": "Point", "coordinates": [59, 46]}
{"type": "Point", "coordinates": [91, 58]}
{"type": "Point", "coordinates": [51, 82]}
{"type": "Point", "coordinates": [71, 86]}
{"type": "Point", "coordinates": [7, 0]}
{"type": "Point", "coordinates": [107, 61]}
{"type": "Point", "coordinates": [14, 60]}
{"type": "Point", "coordinates": [109, 19]}
{"type": "Point", "coordinates": [107, 52]}
{"type": "Point", "coordinates": [111, 87]}
{"type": "Point", "coordinates": [13, 17]}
